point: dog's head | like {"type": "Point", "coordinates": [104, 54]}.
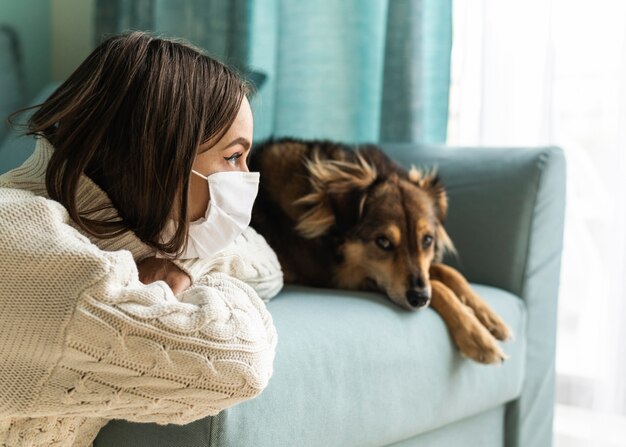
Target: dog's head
{"type": "Point", "coordinates": [388, 224]}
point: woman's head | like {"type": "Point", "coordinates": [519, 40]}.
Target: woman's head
{"type": "Point", "coordinates": [226, 154]}
{"type": "Point", "coordinates": [136, 116]}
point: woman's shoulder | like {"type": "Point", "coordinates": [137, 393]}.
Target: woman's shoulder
{"type": "Point", "coordinates": [21, 209]}
{"type": "Point", "coordinates": [33, 227]}
{"type": "Point", "coordinates": [12, 199]}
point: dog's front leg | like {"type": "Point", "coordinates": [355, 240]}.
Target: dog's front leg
{"type": "Point", "coordinates": [461, 288]}
{"type": "Point", "coordinates": [469, 334]}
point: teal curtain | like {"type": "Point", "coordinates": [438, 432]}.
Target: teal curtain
{"type": "Point", "coordinates": [349, 70]}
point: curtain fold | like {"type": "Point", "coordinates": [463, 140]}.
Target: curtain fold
{"type": "Point", "coordinates": [525, 75]}
{"type": "Point", "coordinates": [417, 71]}
{"type": "Point", "coordinates": [353, 71]}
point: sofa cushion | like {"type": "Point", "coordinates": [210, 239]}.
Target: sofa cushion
{"type": "Point", "coordinates": [11, 82]}
{"type": "Point", "coordinates": [16, 148]}
{"type": "Point", "coordinates": [352, 369]}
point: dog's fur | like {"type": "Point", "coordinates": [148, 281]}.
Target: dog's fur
{"type": "Point", "coordinates": [353, 219]}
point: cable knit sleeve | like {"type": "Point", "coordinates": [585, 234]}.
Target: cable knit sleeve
{"type": "Point", "coordinates": [249, 258]}
{"type": "Point", "coordinates": [82, 336]}
{"type": "Point", "coordinates": [139, 353]}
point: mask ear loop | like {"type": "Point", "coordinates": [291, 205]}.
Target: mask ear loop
{"type": "Point", "coordinates": [207, 179]}
{"type": "Point", "coordinates": [197, 173]}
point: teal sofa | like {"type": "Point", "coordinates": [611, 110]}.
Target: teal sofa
{"type": "Point", "coordinates": [352, 369]}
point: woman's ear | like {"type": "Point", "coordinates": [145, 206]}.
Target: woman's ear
{"type": "Point", "coordinates": [338, 194]}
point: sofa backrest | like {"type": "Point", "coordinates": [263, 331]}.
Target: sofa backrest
{"type": "Point", "coordinates": [12, 88]}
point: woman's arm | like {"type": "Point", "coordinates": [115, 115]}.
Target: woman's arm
{"type": "Point", "coordinates": [81, 335]}
{"type": "Point", "coordinates": [249, 258]}
{"type": "Point", "coordinates": [139, 353]}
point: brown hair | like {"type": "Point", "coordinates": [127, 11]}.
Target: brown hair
{"type": "Point", "coordinates": [132, 117]}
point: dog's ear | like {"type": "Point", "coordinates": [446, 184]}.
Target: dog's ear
{"type": "Point", "coordinates": [443, 243]}
{"type": "Point", "coordinates": [431, 183]}
{"type": "Point", "coordinates": [337, 197]}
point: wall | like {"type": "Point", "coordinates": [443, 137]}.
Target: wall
{"type": "Point", "coordinates": [31, 20]}
{"type": "Point", "coordinates": [55, 37]}
{"type": "Point", "coordinates": [72, 35]}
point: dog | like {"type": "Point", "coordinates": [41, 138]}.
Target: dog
{"type": "Point", "coordinates": [349, 217]}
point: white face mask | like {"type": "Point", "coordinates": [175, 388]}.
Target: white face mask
{"type": "Point", "coordinates": [228, 213]}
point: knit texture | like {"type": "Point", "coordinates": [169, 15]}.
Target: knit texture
{"type": "Point", "coordinates": [83, 341]}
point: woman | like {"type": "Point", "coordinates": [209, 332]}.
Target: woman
{"type": "Point", "coordinates": [131, 287]}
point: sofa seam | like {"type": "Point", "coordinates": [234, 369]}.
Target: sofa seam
{"type": "Point", "coordinates": [542, 162]}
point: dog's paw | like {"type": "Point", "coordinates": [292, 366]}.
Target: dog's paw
{"type": "Point", "coordinates": [476, 342]}
{"type": "Point", "coordinates": [494, 323]}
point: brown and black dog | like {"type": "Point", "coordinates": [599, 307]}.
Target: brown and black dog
{"type": "Point", "coordinates": [350, 218]}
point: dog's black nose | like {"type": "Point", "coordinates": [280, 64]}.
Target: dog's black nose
{"type": "Point", "coordinates": [417, 298]}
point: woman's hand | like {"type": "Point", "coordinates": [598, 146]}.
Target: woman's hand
{"type": "Point", "coordinates": [154, 269]}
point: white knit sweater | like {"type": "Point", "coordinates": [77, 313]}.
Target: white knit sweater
{"type": "Point", "coordinates": [82, 340]}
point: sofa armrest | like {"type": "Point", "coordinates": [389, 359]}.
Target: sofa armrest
{"type": "Point", "coordinates": [506, 208]}
{"type": "Point", "coordinates": [506, 219]}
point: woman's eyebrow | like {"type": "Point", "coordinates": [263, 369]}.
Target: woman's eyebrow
{"type": "Point", "coordinates": [241, 140]}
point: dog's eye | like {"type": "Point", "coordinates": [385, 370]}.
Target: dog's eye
{"type": "Point", "coordinates": [384, 243]}
{"type": "Point", "coordinates": [427, 241]}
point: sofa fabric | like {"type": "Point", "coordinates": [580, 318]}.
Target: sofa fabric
{"type": "Point", "coordinates": [390, 376]}
{"type": "Point", "coordinates": [485, 430]}
{"type": "Point", "coordinates": [12, 94]}
{"type": "Point", "coordinates": [507, 208]}
{"type": "Point", "coordinates": [15, 148]}
{"type": "Point", "coordinates": [356, 363]}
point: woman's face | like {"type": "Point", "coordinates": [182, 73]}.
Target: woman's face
{"type": "Point", "coordinates": [228, 154]}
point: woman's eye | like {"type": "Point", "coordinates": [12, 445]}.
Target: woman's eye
{"type": "Point", "coordinates": [427, 241]}
{"type": "Point", "coordinates": [233, 158]}
{"type": "Point", "coordinates": [384, 243]}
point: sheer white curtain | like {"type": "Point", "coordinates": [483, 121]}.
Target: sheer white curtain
{"type": "Point", "coordinates": [553, 72]}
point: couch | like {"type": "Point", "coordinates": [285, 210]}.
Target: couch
{"type": "Point", "coordinates": [352, 369]}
